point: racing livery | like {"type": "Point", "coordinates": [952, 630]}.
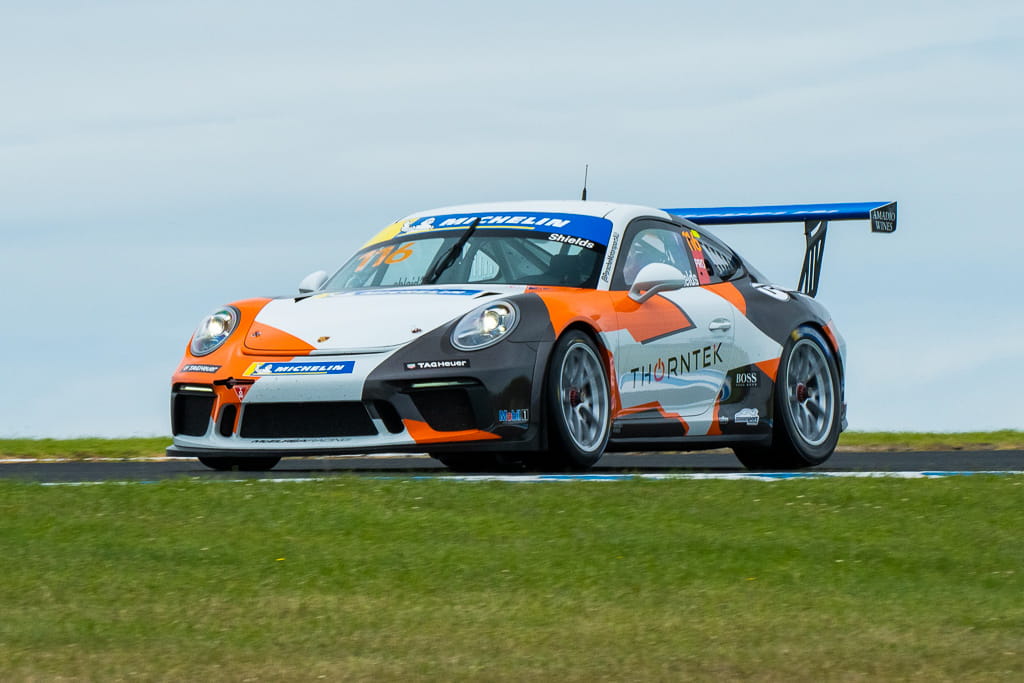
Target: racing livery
{"type": "Point", "coordinates": [529, 334]}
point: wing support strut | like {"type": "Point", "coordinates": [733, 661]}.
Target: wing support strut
{"type": "Point", "coordinates": [810, 272]}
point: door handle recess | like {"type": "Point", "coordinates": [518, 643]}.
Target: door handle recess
{"type": "Point", "coordinates": [719, 324]}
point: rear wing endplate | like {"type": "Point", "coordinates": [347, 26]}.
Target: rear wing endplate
{"type": "Point", "coordinates": [815, 218]}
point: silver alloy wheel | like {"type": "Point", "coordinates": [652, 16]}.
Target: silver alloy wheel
{"type": "Point", "coordinates": [810, 393]}
{"type": "Point", "coordinates": [583, 397]}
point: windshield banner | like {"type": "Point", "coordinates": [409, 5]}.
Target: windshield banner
{"type": "Point", "coordinates": [571, 228]}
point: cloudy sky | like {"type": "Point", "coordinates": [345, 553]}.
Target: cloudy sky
{"type": "Point", "coordinates": [160, 159]}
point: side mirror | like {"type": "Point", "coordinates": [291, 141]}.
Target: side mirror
{"type": "Point", "coordinates": [654, 278]}
{"type": "Point", "coordinates": [313, 282]}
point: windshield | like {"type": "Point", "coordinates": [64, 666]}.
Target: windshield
{"type": "Point", "coordinates": [500, 257]}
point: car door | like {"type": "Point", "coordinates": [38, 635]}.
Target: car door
{"type": "Point", "coordinates": [674, 349]}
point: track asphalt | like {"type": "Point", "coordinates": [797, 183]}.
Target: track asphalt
{"type": "Point", "coordinates": [611, 464]}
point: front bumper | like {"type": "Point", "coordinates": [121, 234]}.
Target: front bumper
{"type": "Point", "coordinates": [409, 400]}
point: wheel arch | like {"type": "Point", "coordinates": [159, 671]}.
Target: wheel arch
{"type": "Point", "coordinates": [594, 336]}
{"type": "Point", "coordinates": [606, 354]}
{"type": "Point", "coordinates": [831, 343]}
{"type": "Point", "coordinates": [826, 333]}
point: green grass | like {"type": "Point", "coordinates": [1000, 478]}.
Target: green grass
{"type": "Point", "coordinates": [364, 579]}
{"type": "Point", "coordinates": [85, 448]}
{"type": "Point", "coordinates": [1006, 439]}
{"type": "Point", "coordinates": [95, 448]}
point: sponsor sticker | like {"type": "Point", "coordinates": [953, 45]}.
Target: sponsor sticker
{"type": "Point", "coordinates": [748, 416]}
{"type": "Point", "coordinates": [569, 239]}
{"type": "Point", "coordinates": [585, 228]}
{"type": "Point", "coordinates": [272, 369]}
{"type": "Point", "coordinates": [692, 238]}
{"type": "Point", "coordinates": [745, 379]}
{"type": "Point", "coordinates": [422, 225]}
{"type": "Point", "coordinates": [517, 416]}
{"type": "Point", "coordinates": [609, 260]}
{"type": "Point", "coordinates": [437, 364]}
{"type": "Point", "coordinates": [199, 367]}
{"type": "Point", "coordinates": [773, 292]}
{"type": "Point", "coordinates": [448, 291]}
{"type": "Point", "coordinates": [674, 366]}
{"type": "Point", "coordinates": [883, 219]}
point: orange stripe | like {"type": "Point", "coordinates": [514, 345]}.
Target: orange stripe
{"type": "Point", "coordinates": [730, 293]}
{"type": "Point", "coordinates": [271, 340]}
{"type": "Point", "coordinates": [567, 305]}
{"type": "Point", "coordinates": [421, 432]}
{"type": "Point", "coordinates": [715, 429]}
{"type": "Point", "coordinates": [654, 318]}
{"type": "Point", "coordinates": [830, 332]}
{"type": "Point", "coordinates": [769, 367]}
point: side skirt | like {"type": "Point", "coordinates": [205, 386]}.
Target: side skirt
{"type": "Point", "coordinates": [696, 443]}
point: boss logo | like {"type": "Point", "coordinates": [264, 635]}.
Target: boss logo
{"type": "Point", "coordinates": [745, 379]}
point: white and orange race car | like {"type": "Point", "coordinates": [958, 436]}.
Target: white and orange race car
{"type": "Point", "coordinates": [529, 334]}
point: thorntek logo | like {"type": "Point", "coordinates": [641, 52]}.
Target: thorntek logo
{"type": "Point", "coordinates": [673, 366]}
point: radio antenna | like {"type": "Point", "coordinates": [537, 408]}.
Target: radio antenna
{"type": "Point", "coordinates": [586, 170]}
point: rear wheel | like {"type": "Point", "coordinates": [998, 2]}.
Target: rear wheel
{"type": "Point", "coordinates": [241, 464]}
{"type": "Point", "coordinates": [578, 404]}
{"type": "Point", "coordinates": [808, 407]}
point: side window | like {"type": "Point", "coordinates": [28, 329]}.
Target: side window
{"type": "Point", "coordinates": [653, 242]}
{"type": "Point", "coordinates": [722, 263]}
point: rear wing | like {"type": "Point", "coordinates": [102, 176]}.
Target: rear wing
{"type": "Point", "coordinates": [815, 218]}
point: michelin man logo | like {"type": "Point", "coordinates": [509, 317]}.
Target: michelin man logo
{"type": "Point", "coordinates": [422, 226]}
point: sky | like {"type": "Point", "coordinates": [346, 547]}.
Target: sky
{"type": "Point", "coordinates": [158, 160]}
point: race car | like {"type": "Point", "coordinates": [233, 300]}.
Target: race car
{"type": "Point", "coordinates": [534, 335]}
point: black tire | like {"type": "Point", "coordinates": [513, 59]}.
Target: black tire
{"type": "Point", "coordinates": [578, 405]}
{"type": "Point", "coordinates": [228, 464]}
{"type": "Point", "coordinates": [807, 406]}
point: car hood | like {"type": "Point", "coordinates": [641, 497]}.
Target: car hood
{"type": "Point", "coordinates": [362, 321]}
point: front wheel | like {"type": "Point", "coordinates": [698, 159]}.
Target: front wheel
{"type": "Point", "coordinates": [808, 407]}
{"type": "Point", "coordinates": [228, 464]}
{"type": "Point", "coordinates": [578, 404]}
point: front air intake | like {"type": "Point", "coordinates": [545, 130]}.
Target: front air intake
{"type": "Point", "coordinates": [190, 414]}
{"type": "Point", "coordinates": [319, 419]}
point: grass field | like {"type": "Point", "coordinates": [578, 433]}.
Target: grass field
{"type": "Point", "coordinates": [93, 448]}
{"type": "Point", "coordinates": [390, 579]}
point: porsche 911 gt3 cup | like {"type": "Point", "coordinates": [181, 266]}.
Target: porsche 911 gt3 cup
{"type": "Point", "coordinates": [529, 334]}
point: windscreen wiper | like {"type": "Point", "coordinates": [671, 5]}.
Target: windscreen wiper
{"type": "Point", "coordinates": [450, 256]}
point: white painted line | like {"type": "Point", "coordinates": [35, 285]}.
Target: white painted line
{"type": "Point", "coordinates": [541, 478]}
{"type": "Point", "coordinates": [174, 459]}
{"type": "Point", "coordinates": [729, 476]}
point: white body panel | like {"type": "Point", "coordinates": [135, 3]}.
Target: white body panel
{"type": "Point", "coordinates": [372, 319]}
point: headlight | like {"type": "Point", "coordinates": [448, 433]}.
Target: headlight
{"type": "Point", "coordinates": [214, 330]}
{"type": "Point", "coordinates": [485, 326]}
